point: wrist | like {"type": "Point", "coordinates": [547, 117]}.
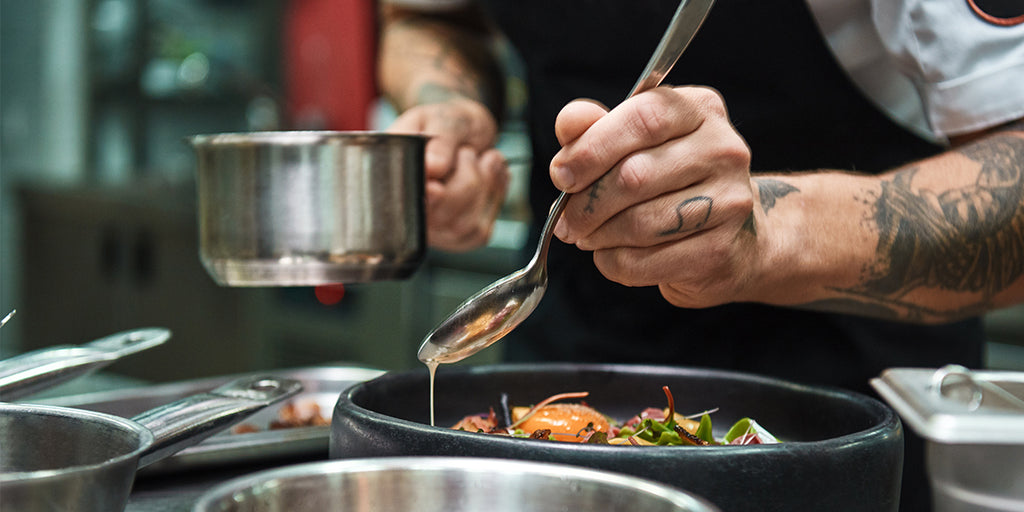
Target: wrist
{"type": "Point", "coordinates": [814, 236]}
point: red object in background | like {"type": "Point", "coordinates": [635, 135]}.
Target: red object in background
{"type": "Point", "coordinates": [329, 294]}
{"type": "Point", "coordinates": [329, 63]}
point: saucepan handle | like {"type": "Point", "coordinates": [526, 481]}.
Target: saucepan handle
{"type": "Point", "coordinates": [188, 421]}
{"type": "Point", "coordinates": [41, 369]}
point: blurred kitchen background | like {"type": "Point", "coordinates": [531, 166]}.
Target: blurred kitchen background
{"type": "Point", "coordinates": [98, 230]}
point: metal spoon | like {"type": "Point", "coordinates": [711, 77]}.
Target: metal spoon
{"type": "Point", "coordinates": [493, 312]}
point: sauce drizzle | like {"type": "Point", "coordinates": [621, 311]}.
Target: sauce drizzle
{"type": "Point", "coordinates": [432, 368]}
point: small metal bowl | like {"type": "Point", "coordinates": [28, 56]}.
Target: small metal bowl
{"type": "Point", "coordinates": [308, 208]}
{"type": "Point", "coordinates": [440, 484]}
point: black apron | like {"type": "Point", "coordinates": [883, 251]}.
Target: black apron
{"type": "Point", "coordinates": [797, 110]}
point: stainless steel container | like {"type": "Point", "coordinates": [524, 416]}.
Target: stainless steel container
{"type": "Point", "coordinates": [973, 424]}
{"type": "Point", "coordinates": [310, 208]}
{"type": "Point", "coordinates": [439, 484]}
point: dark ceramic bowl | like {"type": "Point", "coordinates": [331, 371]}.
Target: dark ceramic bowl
{"type": "Point", "coordinates": [841, 452]}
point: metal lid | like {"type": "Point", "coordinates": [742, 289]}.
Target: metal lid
{"type": "Point", "coordinates": [955, 405]}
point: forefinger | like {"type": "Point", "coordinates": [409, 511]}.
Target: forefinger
{"type": "Point", "coordinates": [643, 121]}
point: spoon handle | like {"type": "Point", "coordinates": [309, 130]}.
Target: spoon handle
{"type": "Point", "coordinates": [549, 228]}
{"type": "Point", "coordinates": [685, 22]}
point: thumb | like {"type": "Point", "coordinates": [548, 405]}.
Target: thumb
{"type": "Point", "coordinates": [440, 157]}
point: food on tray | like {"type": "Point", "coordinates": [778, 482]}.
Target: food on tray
{"type": "Point", "coordinates": [295, 413]}
{"type": "Point", "coordinates": [300, 413]}
{"type": "Point", "coordinates": [580, 423]}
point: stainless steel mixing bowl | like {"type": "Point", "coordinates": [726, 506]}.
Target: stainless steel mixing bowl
{"type": "Point", "coordinates": [439, 484]}
{"type": "Point", "coordinates": [307, 208]}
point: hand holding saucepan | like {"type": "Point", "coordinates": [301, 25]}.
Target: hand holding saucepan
{"type": "Point", "coordinates": [466, 177]}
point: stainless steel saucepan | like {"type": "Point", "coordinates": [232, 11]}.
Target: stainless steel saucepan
{"type": "Point", "coordinates": [61, 458]}
{"type": "Point", "coordinates": [307, 208]}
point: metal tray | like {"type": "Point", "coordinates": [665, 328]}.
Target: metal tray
{"type": "Point", "coordinates": [956, 405]}
{"type": "Point", "coordinates": [321, 384]}
{"type": "Point", "coordinates": [973, 425]}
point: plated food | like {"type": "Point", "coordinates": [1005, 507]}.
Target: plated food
{"type": "Point", "coordinates": [580, 423]}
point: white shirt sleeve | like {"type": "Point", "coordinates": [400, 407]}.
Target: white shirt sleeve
{"type": "Point", "coordinates": [934, 66]}
{"type": "Point", "coordinates": [969, 72]}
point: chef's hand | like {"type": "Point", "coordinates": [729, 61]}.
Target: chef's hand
{"type": "Point", "coordinates": [466, 177]}
{"type": "Point", "coordinates": [662, 194]}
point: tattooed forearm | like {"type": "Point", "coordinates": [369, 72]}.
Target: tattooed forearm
{"type": "Point", "coordinates": [966, 242]}
{"type": "Point", "coordinates": [462, 80]}
{"type": "Point", "coordinates": [455, 56]}
{"type": "Point", "coordinates": [432, 92]}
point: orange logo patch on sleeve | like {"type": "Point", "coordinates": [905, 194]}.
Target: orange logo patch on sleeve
{"type": "Point", "coordinates": [1006, 13]}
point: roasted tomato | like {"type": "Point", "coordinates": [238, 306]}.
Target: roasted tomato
{"type": "Point", "coordinates": [567, 422]}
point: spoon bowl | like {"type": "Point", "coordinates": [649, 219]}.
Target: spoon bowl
{"type": "Point", "coordinates": [494, 311]}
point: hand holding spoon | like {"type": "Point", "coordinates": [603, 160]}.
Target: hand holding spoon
{"type": "Point", "coordinates": [493, 312]}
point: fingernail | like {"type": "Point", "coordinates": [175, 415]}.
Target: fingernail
{"type": "Point", "coordinates": [562, 177]}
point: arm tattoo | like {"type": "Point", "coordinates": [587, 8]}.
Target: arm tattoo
{"type": "Point", "coordinates": [750, 225]}
{"type": "Point", "coordinates": [466, 58]}
{"type": "Point", "coordinates": [770, 190]}
{"type": "Point", "coordinates": [966, 241]}
{"type": "Point", "coordinates": [433, 92]}
{"type": "Point", "coordinates": [467, 84]}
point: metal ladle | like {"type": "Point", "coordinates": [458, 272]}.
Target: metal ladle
{"type": "Point", "coordinates": [493, 312]}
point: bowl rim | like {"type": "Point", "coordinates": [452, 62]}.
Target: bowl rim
{"type": "Point", "coordinates": [887, 421]}
{"type": "Point", "coordinates": [136, 437]}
